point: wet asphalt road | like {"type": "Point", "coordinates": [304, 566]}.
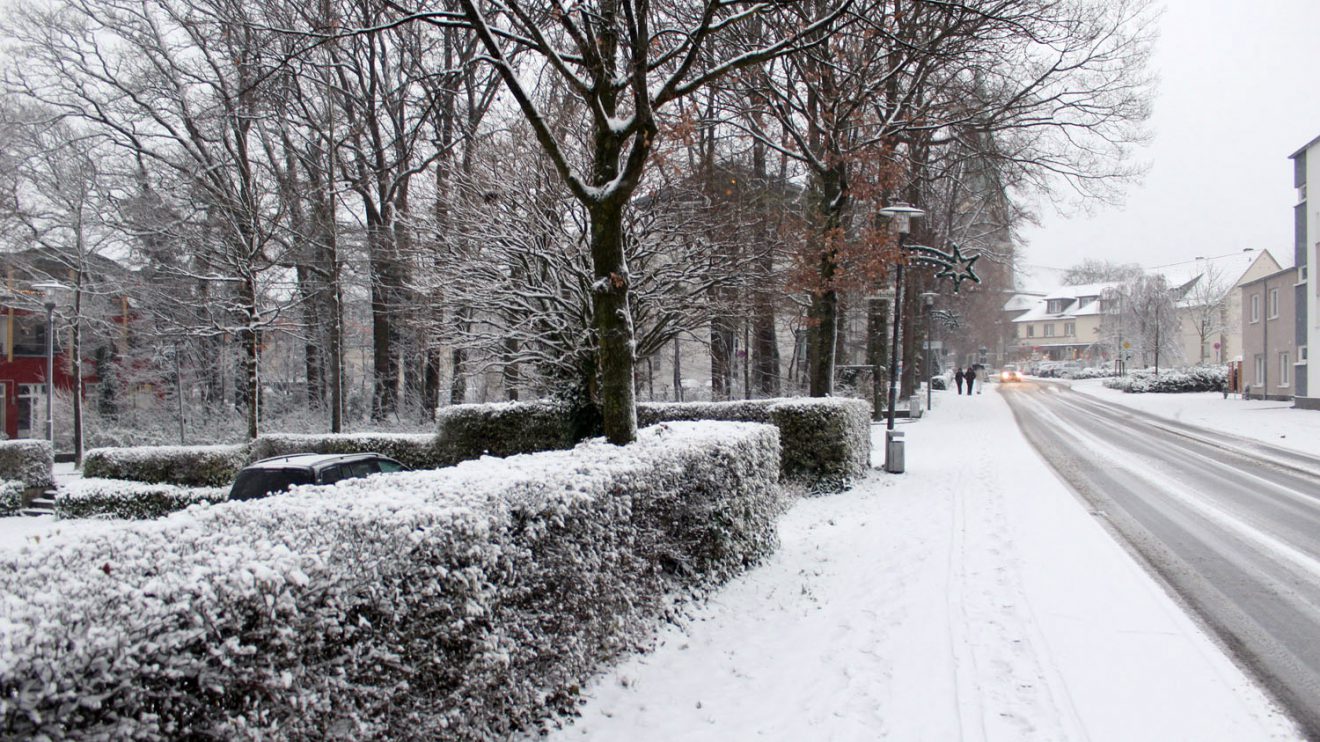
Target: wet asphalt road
{"type": "Point", "coordinates": [1231, 526]}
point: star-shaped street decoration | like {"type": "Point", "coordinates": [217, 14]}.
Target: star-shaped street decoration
{"type": "Point", "coordinates": [952, 265]}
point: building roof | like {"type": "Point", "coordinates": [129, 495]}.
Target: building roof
{"type": "Point", "coordinates": [1074, 304]}
{"type": "Point", "coordinates": [1305, 147]}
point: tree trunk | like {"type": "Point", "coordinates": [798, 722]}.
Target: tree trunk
{"type": "Point", "coordinates": [877, 353]}
{"type": "Point", "coordinates": [613, 322]}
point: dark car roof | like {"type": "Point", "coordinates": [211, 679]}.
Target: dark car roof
{"type": "Point", "coordinates": [312, 461]}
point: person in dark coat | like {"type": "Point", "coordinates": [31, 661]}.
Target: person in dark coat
{"type": "Point", "coordinates": [958, 379]}
{"type": "Point", "coordinates": [970, 378]}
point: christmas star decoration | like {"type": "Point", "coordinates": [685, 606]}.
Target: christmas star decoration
{"type": "Point", "coordinates": [952, 265]}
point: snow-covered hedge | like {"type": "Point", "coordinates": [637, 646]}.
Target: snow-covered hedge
{"type": "Point", "coordinates": [469, 431]}
{"type": "Point", "coordinates": [28, 461]}
{"type": "Point", "coordinates": [1193, 379]}
{"type": "Point", "coordinates": [1090, 372]}
{"type": "Point", "coordinates": [190, 466]}
{"type": "Point", "coordinates": [117, 498]}
{"type": "Point", "coordinates": [11, 497]}
{"type": "Point", "coordinates": [417, 450]}
{"type": "Point", "coordinates": [825, 442]}
{"type": "Point", "coordinates": [460, 604]}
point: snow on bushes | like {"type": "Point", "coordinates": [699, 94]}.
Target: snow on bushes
{"type": "Point", "coordinates": [469, 431]}
{"type": "Point", "coordinates": [825, 442]}
{"type": "Point", "coordinates": [462, 604]}
{"type": "Point", "coordinates": [416, 450]}
{"type": "Point", "coordinates": [117, 498]}
{"type": "Point", "coordinates": [28, 461]}
{"type": "Point", "coordinates": [1090, 372]}
{"type": "Point", "coordinates": [190, 466]}
{"type": "Point", "coordinates": [11, 497]}
{"type": "Point", "coordinates": [1194, 379]}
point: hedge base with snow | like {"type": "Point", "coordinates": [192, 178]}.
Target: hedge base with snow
{"type": "Point", "coordinates": [189, 466]}
{"type": "Point", "coordinates": [116, 498]}
{"type": "Point", "coordinates": [1195, 379]}
{"type": "Point", "coordinates": [461, 604]}
{"type": "Point", "coordinates": [28, 461]}
{"type": "Point", "coordinates": [415, 450]}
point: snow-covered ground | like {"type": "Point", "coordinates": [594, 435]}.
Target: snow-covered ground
{"type": "Point", "coordinates": [971, 598]}
{"type": "Point", "coordinates": [1276, 423]}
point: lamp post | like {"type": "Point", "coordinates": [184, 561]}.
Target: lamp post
{"type": "Point", "coordinates": [928, 302]}
{"type": "Point", "coordinates": [49, 292]}
{"type": "Point", "coordinates": [902, 214]}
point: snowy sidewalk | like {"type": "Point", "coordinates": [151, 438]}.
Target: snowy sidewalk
{"type": "Point", "coordinates": [972, 598]}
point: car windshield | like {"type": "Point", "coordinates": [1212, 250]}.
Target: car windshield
{"type": "Point", "coordinates": [254, 483]}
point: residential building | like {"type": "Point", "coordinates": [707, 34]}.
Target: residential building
{"type": "Point", "coordinates": [1306, 292]}
{"type": "Point", "coordinates": [1209, 303]}
{"type": "Point", "coordinates": [1061, 325]}
{"type": "Point", "coordinates": [1269, 346]}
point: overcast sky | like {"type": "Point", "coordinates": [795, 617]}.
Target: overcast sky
{"type": "Point", "coordinates": [1239, 91]}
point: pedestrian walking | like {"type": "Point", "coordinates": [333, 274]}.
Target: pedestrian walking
{"type": "Point", "coordinates": [970, 378]}
{"type": "Point", "coordinates": [958, 379]}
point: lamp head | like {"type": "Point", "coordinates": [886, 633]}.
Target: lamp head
{"type": "Point", "coordinates": [902, 213]}
{"type": "Point", "coordinates": [50, 292]}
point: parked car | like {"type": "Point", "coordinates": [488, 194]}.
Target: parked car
{"type": "Point", "coordinates": [279, 473]}
{"type": "Point", "coordinates": [1010, 373]}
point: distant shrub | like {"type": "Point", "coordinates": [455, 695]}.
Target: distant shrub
{"type": "Point", "coordinates": [1090, 372]}
{"type": "Point", "coordinates": [417, 450]}
{"type": "Point", "coordinates": [470, 431]}
{"type": "Point", "coordinates": [190, 466]}
{"type": "Point", "coordinates": [1193, 379]}
{"type": "Point", "coordinates": [467, 603]}
{"type": "Point", "coordinates": [28, 461]}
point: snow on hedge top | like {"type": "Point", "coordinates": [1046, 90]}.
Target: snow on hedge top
{"type": "Point", "coordinates": [27, 461]}
{"type": "Point", "coordinates": [152, 453]}
{"type": "Point", "coordinates": [592, 467]}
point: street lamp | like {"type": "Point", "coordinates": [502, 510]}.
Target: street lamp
{"type": "Point", "coordinates": [49, 292]}
{"type": "Point", "coordinates": [928, 301]}
{"type": "Point", "coordinates": [902, 215]}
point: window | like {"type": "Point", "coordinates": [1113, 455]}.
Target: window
{"type": "Point", "coordinates": [1085, 301]}
{"type": "Point", "coordinates": [1054, 306]}
{"type": "Point", "coordinates": [1255, 307]}
{"type": "Point", "coordinates": [1069, 328]}
{"type": "Point", "coordinates": [1031, 331]}
{"type": "Point", "coordinates": [1301, 354]}
{"type": "Point", "coordinates": [1049, 330]}
{"type": "Point", "coordinates": [30, 396]}
{"type": "Point", "coordinates": [1274, 303]}
{"type": "Point", "coordinates": [1260, 369]}
{"type": "Point", "coordinates": [1285, 368]}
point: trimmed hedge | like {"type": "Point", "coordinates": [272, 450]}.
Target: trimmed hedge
{"type": "Point", "coordinates": [117, 498]}
{"type": "Point", "coordinates": [190, 466]}
{"type": "Point", "coordinates": [470, 431]}
{"type": "Point", "coordinates": [28, 461]}
{"type": "Point", "coordinates": [826, 441]}
{"type": "Point", "coordinates": [11, 497]}
{"type": "Point", "coordinates": [1194, 379]}
{"type": "Point", "coordinates": [415, 450]}
{"type": "Point", "coordinates": [462, 604]}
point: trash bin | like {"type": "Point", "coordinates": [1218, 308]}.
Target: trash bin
{"type": "Point", "coordinates": [914, 406]}
{"type": "Point", "coordinates": [894, 452]}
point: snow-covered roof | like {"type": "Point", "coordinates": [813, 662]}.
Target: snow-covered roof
{"type": "Point", "coordinates": [1078, 301]}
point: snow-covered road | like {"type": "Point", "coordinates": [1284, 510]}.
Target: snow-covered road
{"type": "Point", "coordinates": [972, 598]}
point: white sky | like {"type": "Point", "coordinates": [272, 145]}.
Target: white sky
{"type": "Point", "coordinates": [1239, 91]}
